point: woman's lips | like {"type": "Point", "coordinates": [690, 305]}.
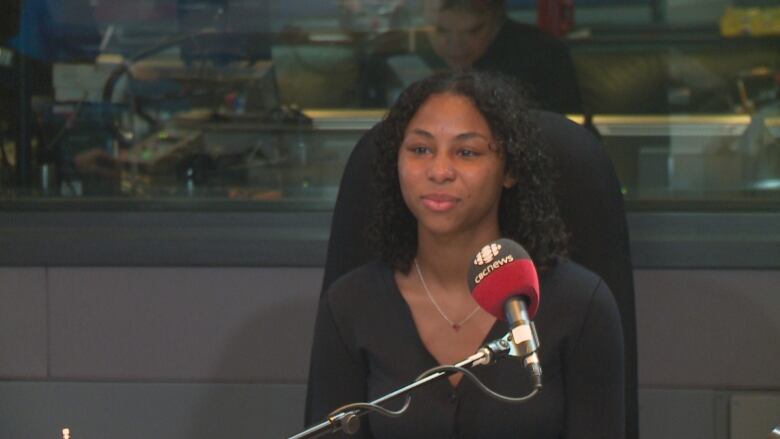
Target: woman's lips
{"type": "Point", "coordinates": [439, 202]}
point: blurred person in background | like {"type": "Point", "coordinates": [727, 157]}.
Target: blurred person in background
{"type": "Point", "coordinates": [477, 34]}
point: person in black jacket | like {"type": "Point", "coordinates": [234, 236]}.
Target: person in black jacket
{"type": "Point", "coordinates": [478, 34]}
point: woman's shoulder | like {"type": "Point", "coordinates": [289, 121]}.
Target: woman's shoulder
{"type": "Point", "coordinates": [358, 298]}
{"type": "Point", "coordinates": [573, 284]}
{"type": "Point", "coordinates": [570, 272]}
{"type": "Point", "coordinates": [571, 290]}
{"type": "Point", "coordinates": [356, 283]}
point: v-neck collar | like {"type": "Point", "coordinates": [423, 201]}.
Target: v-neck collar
{"type": "Point", "coordinates": [410, 328]}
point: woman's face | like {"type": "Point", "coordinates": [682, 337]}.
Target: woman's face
{"type": "Point", "coordinates": [451, 170]}
{"type": "Point", "coordinates": [460, 37]}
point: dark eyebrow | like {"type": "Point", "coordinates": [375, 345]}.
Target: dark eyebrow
{"type": "Point", "coordinates": [421, 132]}
{"type": "Point", "coordinates": [462, 136]}
{"type": "Point", "coordinates": [471, 135]}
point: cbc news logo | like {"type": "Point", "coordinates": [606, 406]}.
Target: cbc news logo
{"type": "Point", "coordinates": [486, 255]}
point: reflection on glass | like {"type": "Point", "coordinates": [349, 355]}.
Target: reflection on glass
{"type": "Point", "coordinates": [210, 100]}
{"type": "Point", "coordinates": [460, 34]}
{"type": "Point", "coordinates": [731, 159]}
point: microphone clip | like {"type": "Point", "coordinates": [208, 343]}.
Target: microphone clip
{"type": "Point", "coordinates": [499, 348]}
{"type": "Point", "coordinates": [509, 346]}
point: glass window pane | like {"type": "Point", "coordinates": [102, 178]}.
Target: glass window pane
{"type": "Point", "coordinates": [261, 102]}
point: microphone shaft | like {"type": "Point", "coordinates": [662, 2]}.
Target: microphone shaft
{"type": "Point", "coordinates": [524, 336]}
{"type": "Point", "coordinates": [520, 326]}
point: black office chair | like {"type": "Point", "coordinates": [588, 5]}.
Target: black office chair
{"type": "Point", "coordinates": [590, 201]}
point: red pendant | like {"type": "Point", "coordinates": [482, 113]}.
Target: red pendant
{"type": "Point", "coordinates": [456, 327]}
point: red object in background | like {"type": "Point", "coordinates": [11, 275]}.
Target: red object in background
{"type": "Point", "coordinates": [556, 17]}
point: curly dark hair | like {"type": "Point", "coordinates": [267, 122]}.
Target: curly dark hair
{"type": "Point", "coordinates": [528, 213]}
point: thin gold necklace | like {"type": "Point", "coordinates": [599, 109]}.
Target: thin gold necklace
{"type": "Point", "coordinates": [455, 325]}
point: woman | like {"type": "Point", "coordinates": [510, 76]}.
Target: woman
{"type": "Point", "coordinates": [458, 166]}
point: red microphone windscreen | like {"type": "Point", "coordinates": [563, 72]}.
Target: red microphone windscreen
{"type": "Point", "coordinates": [500, 270]}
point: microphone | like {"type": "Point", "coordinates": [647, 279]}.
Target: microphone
{"type": "Point", "coordinates": [503, 281]}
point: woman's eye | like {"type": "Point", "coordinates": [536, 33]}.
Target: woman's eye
{"type": "Point", "coordinates": [420, 149]}
{"type": "Point", "coordinates": [468, 152]}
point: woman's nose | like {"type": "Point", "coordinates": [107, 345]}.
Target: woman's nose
{"type": "Point", "coordinates": [441, 169]}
